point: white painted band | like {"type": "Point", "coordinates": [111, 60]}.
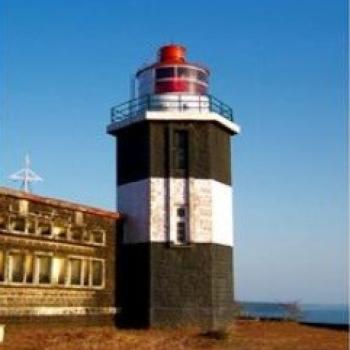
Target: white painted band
{"type": "Point", "coordinates": [175, 116]}
{"type": "Point", "coordinates": [150, 207]}
{"type": "Point", "coordinates": [56, 311]}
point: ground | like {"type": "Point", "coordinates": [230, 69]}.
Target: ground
{"type": "Point", "coordinates": [241, 335]}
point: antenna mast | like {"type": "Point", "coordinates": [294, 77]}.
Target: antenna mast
{"type": "Point", "coordinates": [26, 176]}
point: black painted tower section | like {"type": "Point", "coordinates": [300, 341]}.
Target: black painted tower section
{"type": "Point", "coordinates": [143, 151]}
{"type": "Point", "coordinates": [159, 283]}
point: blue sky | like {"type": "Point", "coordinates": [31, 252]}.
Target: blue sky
{"type": "Point", "coordinates": [280, 64]}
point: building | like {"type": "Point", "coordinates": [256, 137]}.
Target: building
{"type": "Point", "coordinates": [174, 187]}
{"type": "Point", "coordinates": [57, 260]}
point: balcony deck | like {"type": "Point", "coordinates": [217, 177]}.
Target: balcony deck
{"type": "Point", "coordinates": [178, 103]}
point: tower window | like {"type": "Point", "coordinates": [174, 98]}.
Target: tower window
{"type": "Point", "coordinates": [181, 232]}
{"type": "Point", "coordinates": [181, 225]}
{"type": "Point", "coordinates": [180, 149]}
{"type": "Point", "coordinates": [181, 212]}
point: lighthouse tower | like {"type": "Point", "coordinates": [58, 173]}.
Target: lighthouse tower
{"type": "Point", "coordinates": [174, 187]}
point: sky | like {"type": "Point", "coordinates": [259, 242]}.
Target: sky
{"type": "Point", "coordinates": [281, 65]}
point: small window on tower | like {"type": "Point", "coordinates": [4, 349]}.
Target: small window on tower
{"type": "Point", "coordinates": [180, 149]}
{"type": "Point", "coordinates": [181, 225]}
{"type": "Point", "coordinates": [181, 232]}
{"type": "Point", "coordinates": [181, 212]}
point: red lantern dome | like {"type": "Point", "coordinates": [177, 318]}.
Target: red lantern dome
{"type": "Point", "coordinates": [173, 74]}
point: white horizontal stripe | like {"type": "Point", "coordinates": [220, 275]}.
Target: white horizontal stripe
{"type": "Point", "coordinates": [188, 115]}
{"type": "Point", "coordinates": [56, 311]}
{"type": "Point", "coordinates": [150, 211]}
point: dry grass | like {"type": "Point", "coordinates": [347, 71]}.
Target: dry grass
{"type": "Point", "coordinates": [241, 335]}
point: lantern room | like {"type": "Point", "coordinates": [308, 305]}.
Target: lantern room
{"type": "Point", "coordinates": [172, 74]}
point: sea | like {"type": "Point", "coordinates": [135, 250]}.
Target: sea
{"type": "Point", "coordinates": [331, 314]}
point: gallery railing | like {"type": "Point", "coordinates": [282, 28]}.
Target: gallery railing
{"type": "Point", "coordinates": [201, 103]}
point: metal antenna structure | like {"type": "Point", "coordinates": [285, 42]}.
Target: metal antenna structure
{"type": "Point", "coordinates": [26, 176]}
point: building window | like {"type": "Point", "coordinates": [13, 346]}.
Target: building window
{"type": "Point", "coordinates": [16, 267]}
{"type": "Point", "coordinates": [97, 273]}
{"type": "Point", "coordinates": [180, 151]}
{"type": "Point", "coordinates": [31, 227]}
{"type": "Point", "coordinates": [29, 269]}
{"type": "Point", "coordinates": [86, 236]}
{"type": "Point", "coordinates": [59, 232]}
{"type": "Point", "coordinates": [181, 225]}
{"type": "Point", "coordinates": [76, 234]}
{"type": "Point", "coordinates": [79, 218]}
{"type": "Point", "coordinates": [44, 269]}
{"type": "Point", "coordinates": [2, 266]}
{"type": "Point", "coordinates": [86, 273]}
{"type": "Point", "coordinates": [59, 270]}
{"type": "Point", "coordinates": [53, 230]}
{"type": "Point", "coordinates": [3, 222]}
{"type": "Point", "coordinates": [75, 271]}
{"type": "Point", "coordinates": [97, 236]}
{"type": "Point", "coordinates": [23, 206]}
{"type": "Point", "coordinates": [44, 229]}
{"type": "Point", "coordinates": [18, 224]}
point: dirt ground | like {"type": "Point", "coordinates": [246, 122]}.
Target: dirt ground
{"type": "Point", "coordinates": [241, 335]}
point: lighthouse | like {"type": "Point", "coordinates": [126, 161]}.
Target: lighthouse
{"type": "Point", "coordinates": [174, 188]}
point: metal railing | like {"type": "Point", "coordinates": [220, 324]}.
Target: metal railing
{"type": "Point", "coordinates": [200, 103]}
